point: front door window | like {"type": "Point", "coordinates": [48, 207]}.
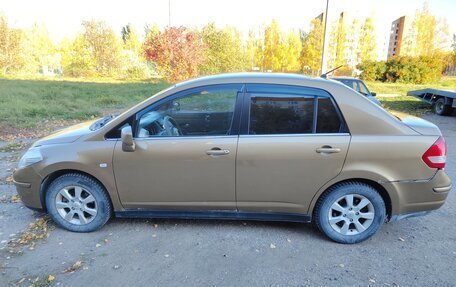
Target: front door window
{"type": "Point", "coordinates": [208, 112]}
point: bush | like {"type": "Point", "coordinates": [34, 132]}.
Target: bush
{"type": "Point", "coordinates": [416, 70]}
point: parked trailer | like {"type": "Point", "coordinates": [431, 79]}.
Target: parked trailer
{"type": "Point", "coordinates": [443, 101]}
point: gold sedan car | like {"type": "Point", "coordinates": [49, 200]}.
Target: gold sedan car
{"type": "Point", "coordinates": [242, 146]}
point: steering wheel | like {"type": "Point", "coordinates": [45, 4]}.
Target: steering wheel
{"type": "Point", "coordinates": [171, 126]}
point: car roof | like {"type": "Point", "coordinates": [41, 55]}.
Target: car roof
{"type": "Point", "coordinates": [253, 77]}
{"type": "Point", "coordinates": [345, 78]}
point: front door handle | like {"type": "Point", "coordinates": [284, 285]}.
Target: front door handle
{"type": "Point", "coordinates": [327, 150]}
{"type": "Point", "coordinates": [217, 151]}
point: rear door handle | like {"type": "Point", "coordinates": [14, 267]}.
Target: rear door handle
{"type": "Point", "coordinates": [217, 151]}
{"type": "Point", "coordinates": [327, 150]}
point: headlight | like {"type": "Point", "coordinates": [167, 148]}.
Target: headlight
{"type": "Point", "coordinates": [32, 156]}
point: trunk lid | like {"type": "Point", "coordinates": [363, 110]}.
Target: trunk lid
{"type": "Point", "coordinates": [421, 126]}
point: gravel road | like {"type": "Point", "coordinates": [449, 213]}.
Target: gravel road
{"type": "Point", "coordinates": [412, 252]}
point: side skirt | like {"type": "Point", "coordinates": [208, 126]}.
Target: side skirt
{"type": "Point", "coordinates": [214, 214]}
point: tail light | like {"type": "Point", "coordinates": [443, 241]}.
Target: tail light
{"type": "Point", "coordinates": [435, 156]}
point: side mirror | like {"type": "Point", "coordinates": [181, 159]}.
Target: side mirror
{"type": "Point", "coordinates": [128, 143]}
{"type": "Point", "coordinates": [374, 94]}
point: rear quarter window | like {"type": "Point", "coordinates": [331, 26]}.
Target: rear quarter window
{"type": "Point", "coordinates": [328, 118]}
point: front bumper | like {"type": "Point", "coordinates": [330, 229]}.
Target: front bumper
{"type": "Point", "coordinates": [417, 196]}
{"type": "Point", "coordinates": [28, 185]}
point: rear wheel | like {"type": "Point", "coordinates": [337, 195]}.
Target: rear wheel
{"type": "Point", "coordinates": [78, 203]}
{"type": "Point", "coordinates": [441, 108]}
{"type": "Point", "coordinates": [350, 212]}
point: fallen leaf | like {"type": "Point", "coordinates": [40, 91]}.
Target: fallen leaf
{"type": "Point", "coordinates": [15, 198]}
{"type": "Point", "coordinates": [74, 267]}
{"type": "Point", "coordinates": [51, 278]}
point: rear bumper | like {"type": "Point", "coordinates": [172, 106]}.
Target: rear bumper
{"type": "Point", "coordinates": [417, 196]}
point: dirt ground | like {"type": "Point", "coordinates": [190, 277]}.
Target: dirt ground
{"type": "Point", "coordinates": [412, 252]}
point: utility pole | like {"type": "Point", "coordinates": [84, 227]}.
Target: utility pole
{"type": "Point", "coordinates": [169, 13]}
{"type": "Point", "coordinates": [323, 59]}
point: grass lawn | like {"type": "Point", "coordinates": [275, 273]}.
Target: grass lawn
{"type": "Point", "coordinates": [27, 103]}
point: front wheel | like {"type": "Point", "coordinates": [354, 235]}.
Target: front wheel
{"type": "Point", "coordinates": [77, 202]}
{"type": "Point", "coordinates": [350, 212]}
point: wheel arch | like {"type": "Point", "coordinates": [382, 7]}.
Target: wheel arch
{"type": "Point", "coordinates": [448, 101]}
{"type": "Point", "coordinates": [377, 186]}
{"type": "Point", "coordinates": [46, 182]}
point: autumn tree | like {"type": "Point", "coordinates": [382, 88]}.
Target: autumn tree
{"type": "Point", "coordinates": [341, 43]}
{"type": "Point", "coordinates": [39, 51]}
{"type": "Point", "coordinates": [312, 47]}
{"type": "Point", "coordinates": [130, 39]}
{"type": "Point", "coordinates": [273, 48]}
{"type": "Point", "coordinates": [337, 44]}
{"type": "Point", "coordinates": [353, 39]}
{"type": "Point", "coordinates": [367, 42]}
{"type": "Point", "coordinates": [177, 52]}
{"type": "Point", "coordinates": [224, 51]}
{"type": "Point", "coordinates": [104, 46]}
{"type": "Point", "coordinates": [442, 36]}
{"type": "Point", "coordinates": [10, 48]}
{"type": "Point", "coordinates": [454, 49]}
{"type": "Point", "coordinates": [77, 57]}
{"type": "Point", "coordinates": [292, 52]}
{"type": "Point", "coordinates": [254, 49]}
{"type": "Point", "coordinates": [425, 25]}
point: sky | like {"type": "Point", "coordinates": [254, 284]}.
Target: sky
{"type": "Point", "coordinates": [63, 18]}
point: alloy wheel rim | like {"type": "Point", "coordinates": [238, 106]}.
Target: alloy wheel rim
{"type": "Point", "coordinates": [351, 214]}
{"type": "Point", "coordinates": [76, 205]}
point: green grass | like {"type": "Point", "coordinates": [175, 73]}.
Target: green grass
{"type": "Point", "coordinates": [26, 103]}
{"type": "Point", "coordinates": [403, 103]}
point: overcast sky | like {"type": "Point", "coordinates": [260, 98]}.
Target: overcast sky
{"type": "Point", "coordinates": [63, 18]}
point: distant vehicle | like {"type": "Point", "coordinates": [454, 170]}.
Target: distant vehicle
{"type": "Point", "coordinates": [359, 86]}
{"type": "Point", "coordinates": [443, 101]}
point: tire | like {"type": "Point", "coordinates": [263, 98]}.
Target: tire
{"type": "Point", "coordinates": [364, 223]}
{"type": "Point", "coordinates": [441, 108]}
{"type": "Point", "coordinates": [80, 198]}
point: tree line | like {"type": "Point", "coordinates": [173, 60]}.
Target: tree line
{"type": "Point", "coordinates": [178, 53]}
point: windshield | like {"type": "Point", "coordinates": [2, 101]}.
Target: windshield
{"type": "Point", "coordinates": [102, 122]}
{"type": "Point", "coordinates": [363, 89]}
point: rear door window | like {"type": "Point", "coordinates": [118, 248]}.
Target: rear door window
{"type": "Point", "coordinates": [281, 115]}
{"type": "Point", "coordinates": [280, 109]}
